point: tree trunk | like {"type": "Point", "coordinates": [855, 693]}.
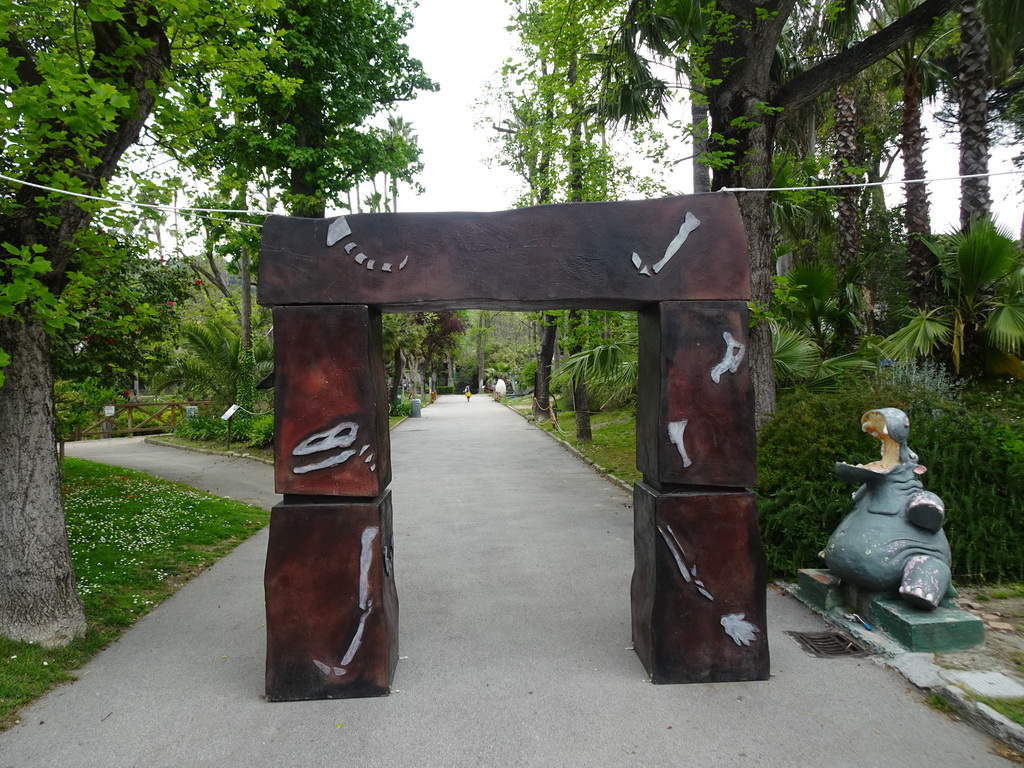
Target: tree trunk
{"type": "Point", "coordinates": [973, 80]}
{"type": "Point", "coordinates": [38, 599]}
{"type": "Point", "coordinates": [396, 383]}
{"type": "Point", "coordinates": [699, 118]}
{"type": "Point", "coordinates": [848, 239]}
{"type": "Point", "coordinates": [580, 396]}
{"type": "Point", "coordinates": [542, 382]}
{"type": "Point", "coordinates": [920, 260]}
{"type": "Point", "coordinates": [755, 210]}
{"type": "Point", "coordinates": [847, 200]}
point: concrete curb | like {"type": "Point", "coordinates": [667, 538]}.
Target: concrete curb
{"type": "Point", "coordinates": [922, 671]}
{"type": "Point", "coordinates": [207, 451]}
{"type": "Point", "coordinates": [575, 452]}
{"type": "Point", "coordinates": [211, 452]}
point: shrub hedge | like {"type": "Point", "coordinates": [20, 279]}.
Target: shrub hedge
{"type": "Point", "coordinates": [257, 431]}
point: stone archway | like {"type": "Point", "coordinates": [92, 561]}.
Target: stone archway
{"type": "Point", "coordinates": [698, 587]}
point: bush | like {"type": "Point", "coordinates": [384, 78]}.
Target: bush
{"type": "Point", "coordinates": [529, 374]}
{"type": "Point", "coordinates": [401, 409]}
{"type": "Point", "coordinates": [259, 432]}
{"type": "Point", "coordinates": [202, 429]}
{"type": "Point", "coordinates": [446, 390]}
{"type": "Point", "coordinates": [971, 466]}
{"type": "Point", "coordinates": [80, 404]}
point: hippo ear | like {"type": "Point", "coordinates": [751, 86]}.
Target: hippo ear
{"type": "Point", "coordinates": [920, 469]}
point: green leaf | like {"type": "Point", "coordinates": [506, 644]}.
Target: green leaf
{"type": "Point", "coordinates": [926, 331]}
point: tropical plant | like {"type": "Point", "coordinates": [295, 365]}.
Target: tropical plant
{"type": "Point", "coordinates": [212, 362]}
{"type": "Point", "coordinates": [982, 280]}
{"type": "Point", "coordinates": [799, 361]}
{"type": "Point", "coordinates": [748, 99]}
{"type": "Point", "coordinates": [990, 53]}
{"type": "Point", "coordinates": [610, 370]}
{"type": "Point", "coordinates": [819, 308]}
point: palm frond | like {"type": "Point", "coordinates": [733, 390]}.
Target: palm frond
{"type": "Point", "coordinates": [1005, 327]}
{"type": "Point", "coordinates": [925, 331]}
{"type": "Point", "coordinates": [980, 258]}
{"type": "Point", "coordinates": [796, 356]}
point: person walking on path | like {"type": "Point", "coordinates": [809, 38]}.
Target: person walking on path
{"type": "Point", "coordinates": [467, 393]}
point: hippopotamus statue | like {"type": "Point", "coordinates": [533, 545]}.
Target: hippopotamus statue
{"type": "Point", "coordinates": [893, 538]}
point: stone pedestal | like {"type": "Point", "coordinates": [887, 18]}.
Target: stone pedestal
{"type": "Point", "coordinates": [332, 607]}
{"type": "Point", "coordinates": [947, 628]}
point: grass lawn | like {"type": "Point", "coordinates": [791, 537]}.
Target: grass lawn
{"type": "Point", "coordinates": [135, 540]}
{"type": "Point", "coordinates": [614, 433]}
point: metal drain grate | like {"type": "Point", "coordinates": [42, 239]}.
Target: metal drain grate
{"type": "Point", "coordinates": [826, 644]}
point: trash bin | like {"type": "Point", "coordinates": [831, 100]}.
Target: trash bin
{"type": "Point", "coordinates": [415, 410]}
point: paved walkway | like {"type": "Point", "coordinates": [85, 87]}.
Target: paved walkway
{"type": "Point", "coordinates": [513, 562]}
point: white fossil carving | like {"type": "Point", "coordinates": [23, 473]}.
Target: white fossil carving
{"type": "Point", "coordinates": [676, 548]}
{"type": "Point", "coordinates": [734, 352]}
{"type": "Point", "coordinates": [365, 605]}
{"type": "Point", "coordinates": [341, 435]}
{"type": "Point", "coordinates": [739, 629]}
{"type": "Point", "coordinates": [690, 223]}
{"type": "Point", "coordinates": [675, 436]}
{"type": "Point", "coordinates": [339, 229]}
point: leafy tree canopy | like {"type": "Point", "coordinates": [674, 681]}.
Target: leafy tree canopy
{"type": "Point", "coordinates": [309, 128]}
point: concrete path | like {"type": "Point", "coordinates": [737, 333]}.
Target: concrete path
{"type": "Point", "coordinates": [513, 562]}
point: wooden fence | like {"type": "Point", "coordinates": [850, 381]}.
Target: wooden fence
{"type": "Point", "coordinates": [137, 419]}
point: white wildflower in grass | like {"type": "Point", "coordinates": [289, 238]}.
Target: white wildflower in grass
{"type": "Point", "coordinates": [130, 533]}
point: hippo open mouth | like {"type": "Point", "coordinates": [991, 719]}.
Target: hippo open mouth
{"type": "Point", "coordinates": [876, 425]}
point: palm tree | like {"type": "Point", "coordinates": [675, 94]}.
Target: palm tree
{"type": "Point", "coordinates": [982, 317]}
{"type": "Point", "coordinates": [919, 80]}
{"type": "Point", "coordinates": [212, 361]}
{"type": "Point", "coordinates": [610, 370]}
{"type": "Point", "coordinates": [991, 36]}
{"type": "Point", "coordinates": [798, 360]}
{"type": "Point", "coordinates": [817, 307]}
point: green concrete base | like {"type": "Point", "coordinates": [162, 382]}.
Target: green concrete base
{"type": "Point", "coordinates": [947, 628]}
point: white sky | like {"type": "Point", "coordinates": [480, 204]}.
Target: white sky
{"type": "Point", "coordinates": [463, 44]}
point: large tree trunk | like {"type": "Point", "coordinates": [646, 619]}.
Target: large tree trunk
{"type": "Point", "coordinates": [542, 382]}
{"type": "Point", "coordinates": [38, 600]}
{"type": "Point", "coordinates": [973, 80]}
{"type": "Point", "coordinates": [580, 395]}
{"type": "Point", "coordinates": [755, 210]}
{"type": "Point", "coordinates": [699, 118]}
